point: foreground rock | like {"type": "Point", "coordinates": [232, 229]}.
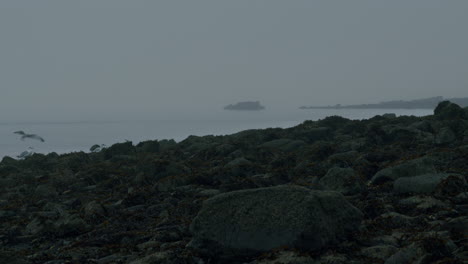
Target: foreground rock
{"type": "Point", "coordinates": [250, 221]}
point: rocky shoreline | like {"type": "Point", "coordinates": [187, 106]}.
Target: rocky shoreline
{"type": "Point", "coordinates": [384, 190]}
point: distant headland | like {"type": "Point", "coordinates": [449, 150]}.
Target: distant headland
{"type": "Point", "coordinates": [426, 103]}
{"type": "Point", "coordinates": [248, 105]}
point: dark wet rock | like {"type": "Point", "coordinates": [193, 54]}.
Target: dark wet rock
{"type": "Point", "coordinates": [408, 254]}
{"type": "Point", "coordinates": [7, 183]}
{"type": "Point", "coordinates": [461, 198]}
{"type": "Point", "coordinates": [389, 115]}
{"type": "Point", "coordinates": [385, 240]}
{"type": "Point", "coordinates": [382, 156]}
{"type": "Point", "coordinates": [381, 252]}
{"type": "Point", "coordinates": [45, 190]}
{"type": "Point", "coordinates": [343, 180]}
{"type": "Point", "coordinates": [445, 136]}
{"type": "Point", "coordinates": [113, 258]}
{"type": "Point", "coordinates": [426, 183]}
{"type": "Point", "coordinates": [167, 144]}
{"type": "Point", "coordinates": [313, 134]}
{"type": "Point", "coordinates": [149, 245]}
{"type": "Point", "coordinates": [8, 161]}
{"type": "Point", "coordinates": [196, 144]}
{"type": "Point", "coordinates": [235, 169]}
{"type": "Point", "coordinates": [239, 162]}
{"type": "Point", "coordinates": [287, 257]}
{"type": "Point", "coordinates": [123, 159]}
{"type": "Point", "coordinates": [267, 180]}
{"type": "Point", "coordinates": [396, 220]}
{"type": "Point", "coordinates": [410, 168]}
{"type": "Point", "coordinates": [334, 122]}
{"type": "Point", "coordinates": [465, 137]}
{"type": "Point", "coordinates": [245, 222]}
{"type": "Point", "coordinates": [437, 245]}
{"type": "Point", "coordinates": [37, 226]}
{"type": "Point", "coordinates": [9, 257]}
{"type": "Point", "coordinates": [355, 144]}
{"type": "Point", "coordinates": [448, 110]}
{"type": "Point", "coordinates": [451, 186]}
{"type": "Point", "coordinates": [154, 170]}
{"type": "Point", "coordinates": [117, 149]}
{"type": "Point", "coordinates": [344, 159]}
{"type": "Point", "coordinates": [149, 146]}
{"type": "Point", "coordinates": [172, 182]}
{"type": "Point", "coordinates": [423, 125]}
{"type": "Point", "coordinates": [70, 225]}
{"type": "Point", "coordinates": [158, 257]}
{"type": "Point", "coordinates": [398, 134]}
{"type": "Point", "coordinates": [94, 211]}
{"type": "Point", "coordinates": [208, 192]}
{"type": "Point", "coordinates": [284, 144]}
{"type": "Point", "coordinates": [320, 150]}
{"type": "Point", "coordinates": [457, 226]}
{"type": "Point", "coordinates": [424, 203]}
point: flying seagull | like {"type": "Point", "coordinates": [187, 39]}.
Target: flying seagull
{"type": "Point", "coordinates": [32, 136]}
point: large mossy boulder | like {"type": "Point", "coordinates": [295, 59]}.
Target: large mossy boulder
{"type": "Point", "coordinates": [246, 222]}
{"type": "Point", "coordinates": [448, 110]}
{"type": "Point", "coordinates": [410, 168]}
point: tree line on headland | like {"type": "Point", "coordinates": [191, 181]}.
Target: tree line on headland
{"type": "Point", "coordinates": [426, 103]}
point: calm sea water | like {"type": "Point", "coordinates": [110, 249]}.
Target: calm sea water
{"type": "Point", "coordinates": [62, 137]}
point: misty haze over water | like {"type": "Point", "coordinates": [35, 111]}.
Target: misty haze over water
{"type": "Point", "coordinates": [98, 72]}
{"type": "Point", "coordinates": [62, 137]}
{"type": "Point", "coordinates": [113, 59]}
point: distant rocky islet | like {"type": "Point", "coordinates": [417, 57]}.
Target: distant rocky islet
{"type": "Point", "coordinates": [245, 106]}
{"type": "Point", "coordinates": [383, 190]}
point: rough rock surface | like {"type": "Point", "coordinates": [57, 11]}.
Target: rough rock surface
{"type": "Point", "coordinates": [252, 221]}
{"type": "Point", "coordinates": [426, 183]}
{"type": "Point", "coordinates": [410, 168]}
{"type": "Point", "coordinates": [343, 180]}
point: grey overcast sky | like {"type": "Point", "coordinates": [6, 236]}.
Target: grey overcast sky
{"type": "Point", "coordinates": [92, 56]}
